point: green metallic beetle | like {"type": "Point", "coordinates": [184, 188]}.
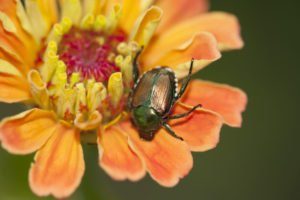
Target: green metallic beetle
{"type": "Point", "coordinates": [152, 99]}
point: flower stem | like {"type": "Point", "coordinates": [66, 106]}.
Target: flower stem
{"type": "Point", "coordinates": [89, 137]}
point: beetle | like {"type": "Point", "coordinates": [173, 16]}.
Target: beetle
{"type": "Point", "coordinates": [152, 99]}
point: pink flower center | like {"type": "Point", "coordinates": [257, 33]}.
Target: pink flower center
{"type": "Point", "coordinates": [90, 53]}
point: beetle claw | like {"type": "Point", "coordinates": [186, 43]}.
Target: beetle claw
{"type": "Point", "coordinates": [170, 131]}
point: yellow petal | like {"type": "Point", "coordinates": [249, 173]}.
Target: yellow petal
{"type": "Point", "coordinates": [18, 64]}
{"type": "Point", "coordinates": [113, 18]}
{"type": "Point", "coordinates": [131, 9]}
{"type": "Point", "coordinates": [146, 4]}
{"type": "Point", "coordinates": [7, 23]}
{"type": "Point", "coordinates": [6, 67]}
{"type": "Point", "coordinates": [9, 51]}
{"type": "Point", "coordinates": [73, 10]}
{"type": "Point", "coordinates": [92, 6]}
{"type": "Point", "coordinates": [146, 25]}
{"type": "Point", "coordinates": [46, 8]}
{"type": "Point", "coordinates": [22, 16]}
{"type": "Point", "coordinates": [49, 10]}
{"type": "Point", "coordinates": [38, 22]}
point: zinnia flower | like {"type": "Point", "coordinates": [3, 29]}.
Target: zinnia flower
{"type": "Point", "coordinates": [72, 63]}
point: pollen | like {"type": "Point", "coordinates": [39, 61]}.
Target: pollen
{"type": "Point", "coordinates": [84, 70]}
{"type": "Point", "coordinates": [90, 53]}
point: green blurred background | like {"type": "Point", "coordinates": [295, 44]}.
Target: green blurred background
{"type": "Point", "coordinates": [259, 161]}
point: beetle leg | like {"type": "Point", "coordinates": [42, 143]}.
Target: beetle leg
{"type": "Point", "coordinates": [128, 104]}
{"type": "Point", "coordinates": [136, 65]}
{"type": "Point", "coordinates": [170, 131]}
{"type": "Point", "coordinates": [185, 114]}
{"type": "Point", "coordinates": [186, 80]}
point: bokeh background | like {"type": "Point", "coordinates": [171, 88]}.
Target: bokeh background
{"type": "Point", "coordinates": [259, 161]}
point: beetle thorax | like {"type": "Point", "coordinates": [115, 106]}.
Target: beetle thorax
{"type": "Point", "coordinates": [146, 119]}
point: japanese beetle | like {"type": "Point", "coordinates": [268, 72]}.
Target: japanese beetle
{"type": "Point", "coordinates": [152, 99]}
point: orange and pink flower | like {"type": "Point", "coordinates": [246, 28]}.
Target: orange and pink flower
{"type": "Point", "coordinates": [73, 66]}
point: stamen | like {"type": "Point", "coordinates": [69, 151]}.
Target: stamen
{"type": "Point", "coordinates": [100, 23]}
{"type": "Point", "coordinates": [90, 53]}
{"type": "Point", "coordinates": [85, 67]}
{"type": "Point", "coordinates": [115, 88]}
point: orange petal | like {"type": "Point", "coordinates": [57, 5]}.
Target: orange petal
{"type": "Point", "coordinates": [13, 88]}
{"type": "Point", "coordinates": [130, 12]}
{"type": "Point", "coordinates": [12, 57]}
{"type": "Point", "coordinates": [203, 48]}
{"type": "Point", "coordinates": [224, 27]}
{"type": "Point", "coordinates": [167, 159]}
{"type": "Point", "coordinates": [27, 132]}
{"type": "Point", "coordinates": [21, 43]}
{"type": "Point", "coordinates": [11, 45]}
{"type": "Point", "coordinates": [116, 157]}
{"type": "Point", "coordinates": [228, 101]}
{"type": "Point", "coordinates": [179, 11]}
{"type": "Point", "coordinates": [200, 130]}
{"type": "Point", "coordinates": [59, 164]}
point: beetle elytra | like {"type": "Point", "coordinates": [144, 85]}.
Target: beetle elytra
{"type": "Point", "coordinates": [152, 99]}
